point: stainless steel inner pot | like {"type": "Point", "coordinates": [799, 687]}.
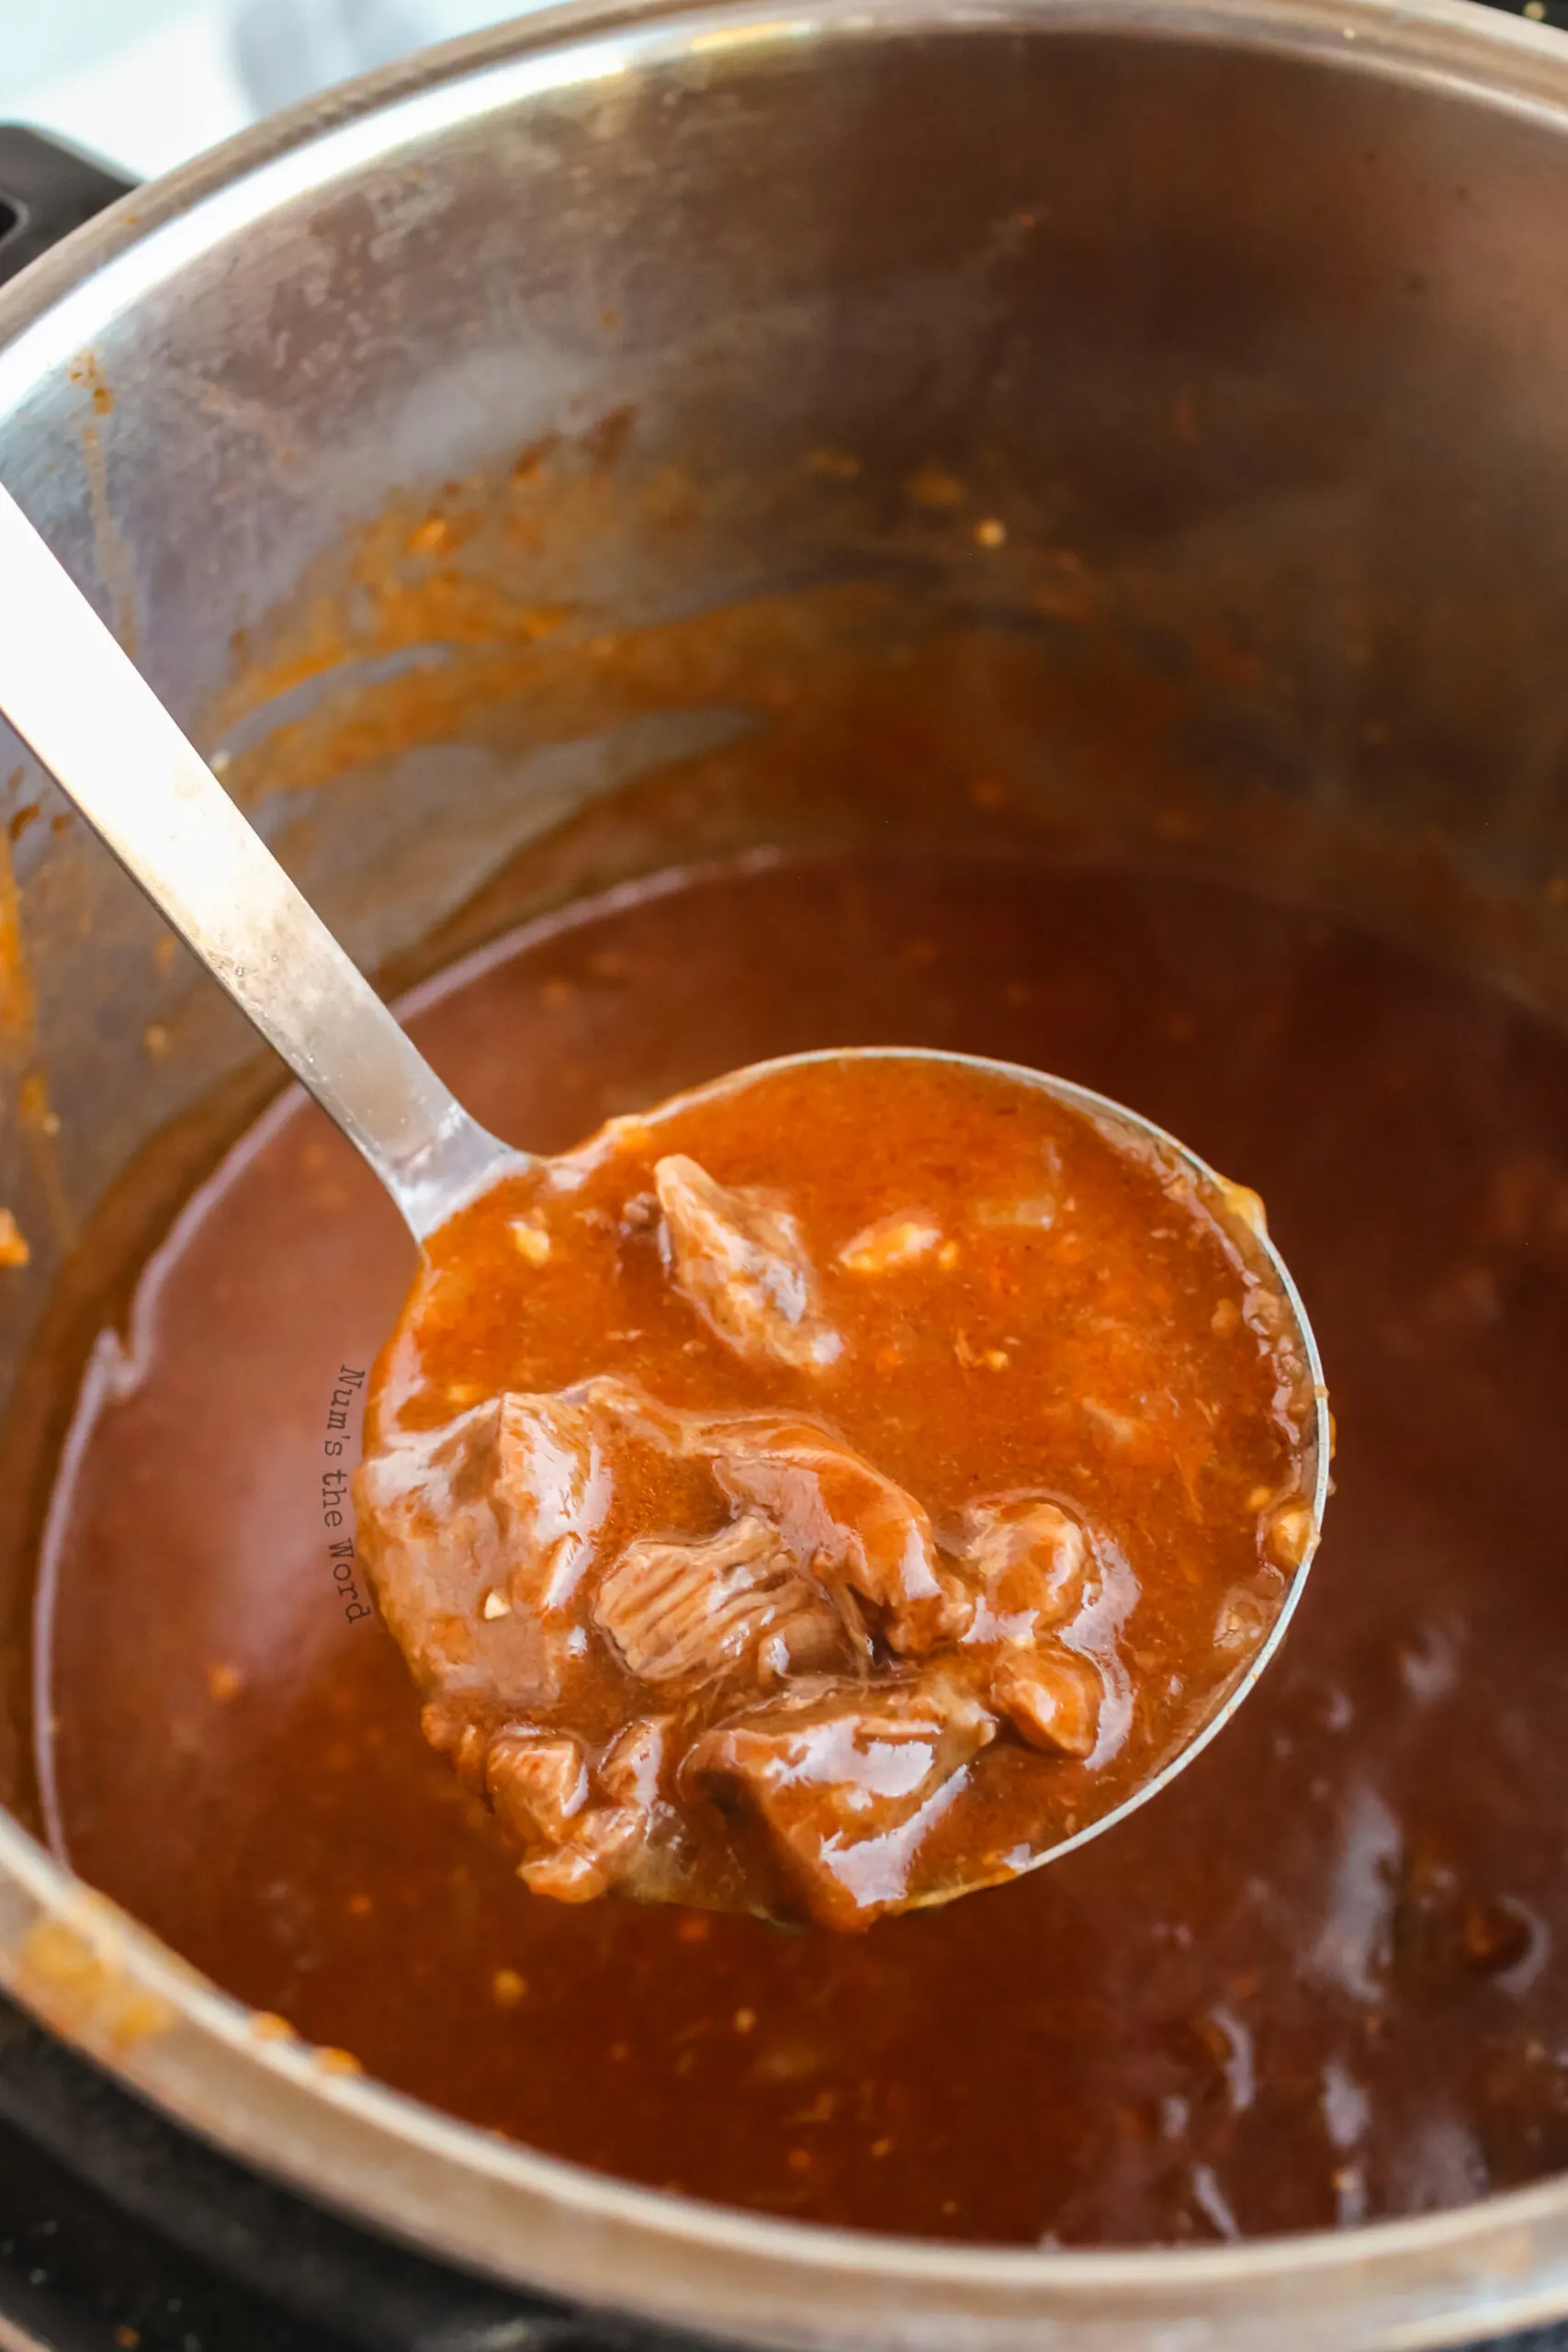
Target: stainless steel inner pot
{"type": "Point", "coordinates": [1241, 327]}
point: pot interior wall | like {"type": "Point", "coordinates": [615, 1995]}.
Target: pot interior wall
{"type": "Point", "coordinates": [1122, 439]}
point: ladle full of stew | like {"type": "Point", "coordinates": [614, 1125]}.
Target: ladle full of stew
{"type": "Point", "coordinates": [848, 1484]}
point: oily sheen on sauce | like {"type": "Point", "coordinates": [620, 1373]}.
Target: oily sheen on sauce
{"type": "Point", "coordinates": [1313, 1983]}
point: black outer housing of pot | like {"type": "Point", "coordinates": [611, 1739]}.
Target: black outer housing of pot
{"type": "Point", "coordinates": [46, 190]}
{"type": "Point", "coordinates": [116, 2228]}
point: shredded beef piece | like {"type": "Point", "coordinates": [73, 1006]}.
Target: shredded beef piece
{"type": "Point", "coordinates": [739, 1259]}
{"type": "Point", "coordinates": [845, 1518]}
{"type": "Point", "coordinates": [736, 1602]}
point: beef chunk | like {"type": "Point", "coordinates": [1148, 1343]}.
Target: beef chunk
{"type": "Point", "coordinates": [1031, 1562]}
{"type": "Point", "coordinates": [852, 1525]}
{"type": "Point", "coordinates": [1051, 1696]}
{"type": "Point", "coordinates": [738, 1602]}
{"type": "Point", "coordinates": [476, 1535]}
{"type": "Point", "coordinates": [538, 1784]}
{"type": "Point", "coordinates": [580, 1831]}
{"type": "Point", "coordinates": [552, 1492]}
{"type": "Point", "coordinates": [739, 1259]}
{"type": "Point", "coordinates": [1035, 1572]}
{"type": "Point", "coordinates": [849, 1780]}
{"type": "Point", "coordinates": [482, 1536]}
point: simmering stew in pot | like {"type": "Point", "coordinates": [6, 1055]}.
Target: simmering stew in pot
{"type": "Point", "coordinates": [1319, 1979]}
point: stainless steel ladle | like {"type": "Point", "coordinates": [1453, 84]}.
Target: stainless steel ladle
{"type": "Point", "coordinates": [76, 698]}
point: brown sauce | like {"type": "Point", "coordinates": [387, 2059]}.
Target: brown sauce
{"type": "Point", "coordinates": [1319, 1978]}
{"type": "Point", "coordinates": [835, 1487]}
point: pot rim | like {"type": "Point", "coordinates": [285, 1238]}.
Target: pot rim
{"type": "Point", "coordinates": [103, 1983]}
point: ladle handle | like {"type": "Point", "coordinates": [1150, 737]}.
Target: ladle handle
{"type": "Point", "coordinates": [100, 730]}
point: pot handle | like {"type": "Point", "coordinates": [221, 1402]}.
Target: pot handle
{"type": "Point", "coordinates": [46, 190]}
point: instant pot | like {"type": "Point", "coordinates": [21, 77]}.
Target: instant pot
{"type": "Point", "coordinates": [1251, 306]}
